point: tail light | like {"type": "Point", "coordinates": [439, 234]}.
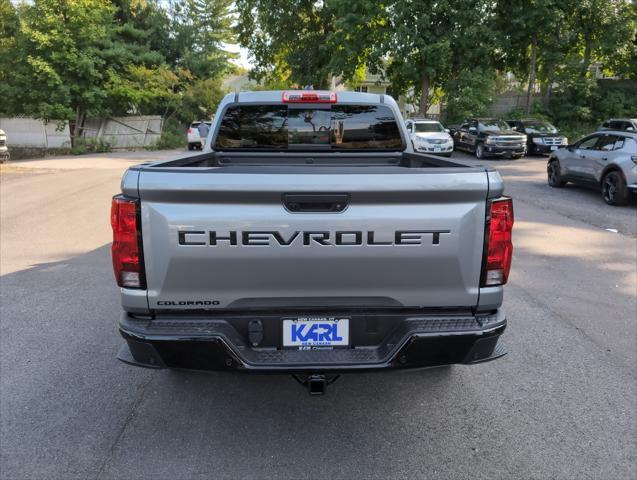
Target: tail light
{"type": "Point", "coordinates": [309, 97]}
{"type": "Point", "coordinates": [190, 130]}
{"type": "Point", "coordinates": [126, 252]}
{"type": "Point", "coordinates": [499, 248]}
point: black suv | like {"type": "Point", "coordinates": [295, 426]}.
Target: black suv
{"type": "Point", "coordinates": [488, 137]}
{"type": "Point", "coordinates": [541, 137]}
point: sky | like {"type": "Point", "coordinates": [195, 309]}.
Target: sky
{"type": "Point", "coordinates": [243, 59]}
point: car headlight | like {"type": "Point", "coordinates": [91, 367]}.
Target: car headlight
{"type": "Point", "coordinates": [489, 140]}
{"type": "Point", "coordinates": [538, 140]}
{"type": "Point", "coordinates": [564, 141]}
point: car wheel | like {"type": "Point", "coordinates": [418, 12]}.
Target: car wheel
{"type": "Point", "coordinates": [614, 189]}
{"type": "Point", "coordinates": [554, 174]}
{"type": "Point", "coordinates": [191, 146]}
{"type": "Point", "coordinates": [480, 151]}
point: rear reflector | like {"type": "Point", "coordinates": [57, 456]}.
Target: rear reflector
{"type": "Point", "coordinates": [499, 245]}
{"type": "Point", "coordinates": [309, 97]}
{"type": "Point", "coordinates": [127, 263]}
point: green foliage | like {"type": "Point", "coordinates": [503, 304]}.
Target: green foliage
{"type": "Point", "coordinates": [82, 145]}
{"type": "Point", "coordinates": [470, 94]}
{"type": "Point", "coordinates": [9, 27]}
{"type": "Point", "coordinates": [69, 59]}
{"type": "Point", "coordinates": [173, 135]}
{"type": "Point", "coordinates": [200, 99]}
{"type": "Point", "coordinates": [58, 72]}
{"type": "Point", "coordinates": [288, 39]}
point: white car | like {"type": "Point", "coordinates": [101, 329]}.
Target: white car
{"type": "Point", "coordinates": [194, 140]}
{"type": "Point", "coordinates": [4, 150]}
{"type": "Point", "coordinates": [429, 136]}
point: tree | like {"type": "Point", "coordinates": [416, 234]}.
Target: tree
{"type": "Point", "coordinates": [525, 30]}
{"type": "Point", "coordinates": [60, 70]}
{"type": "Point", "coordinates": [288, 39]}
{"type": "Point", "coordinates": [9, 29]}
{"type": "Point", "coordinates": [418, 43]}
{"type": "Point", "coordinates": [201, 29]}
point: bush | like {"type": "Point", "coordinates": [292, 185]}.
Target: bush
{"type": "Point", "coordinates": [173, 135]}
{"type": "Point", "coordinates": [82, 145]}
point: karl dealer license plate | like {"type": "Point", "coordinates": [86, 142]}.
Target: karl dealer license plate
{"type": "Point", "coordinates": [316, 332]}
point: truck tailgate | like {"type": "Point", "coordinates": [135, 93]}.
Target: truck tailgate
{"type": "Point", "coordinates": [224, 237]}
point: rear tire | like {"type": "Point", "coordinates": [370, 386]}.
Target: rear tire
{"type": "Point", "coordinates": [480, 151]}
{"type": "Point", "coordinates": [554, 175]}
{"type": "Point", "coordinates": [191, 147]}
{"type": "Point", "coordinates": [614, 191]}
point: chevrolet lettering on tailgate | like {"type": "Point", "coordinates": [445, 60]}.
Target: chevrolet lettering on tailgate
{"type": "Point", "coordinates": [339, 238]}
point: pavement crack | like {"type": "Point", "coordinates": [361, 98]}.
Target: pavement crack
{"type": "Point", "coordinates": [120, 433]}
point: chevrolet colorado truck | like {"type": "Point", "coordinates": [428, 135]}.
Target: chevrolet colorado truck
{"type": "Point", "coordinates": [309, 238]}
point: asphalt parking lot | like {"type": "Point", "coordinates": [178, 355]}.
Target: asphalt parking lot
{"type": "Point", "coordinates": [562, 404]}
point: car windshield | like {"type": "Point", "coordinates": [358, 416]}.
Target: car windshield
{"type": "Point", "coordinates": [493, 124]}
{"type": "Point", "coordinates": [424, 127]}
{"type": "Point", "coordinates": [539, 127]}
{"type": "Point", "coordinates": [337, 127]}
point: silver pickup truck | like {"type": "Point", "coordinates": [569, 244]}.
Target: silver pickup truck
{"type": "Point", "coordinates": [309, 238]}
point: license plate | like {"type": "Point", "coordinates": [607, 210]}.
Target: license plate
{"type": "Point", "coordinates": [316, 332]}
{"type": "Point", "coordinates": [437, 149]}
{"type": "Point", "coordinates": [554, 147]}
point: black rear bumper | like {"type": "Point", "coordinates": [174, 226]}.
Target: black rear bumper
{"type": "Point", "coordinates": [380, 340]}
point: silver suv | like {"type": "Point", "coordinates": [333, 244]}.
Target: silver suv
{"type": "Point", "coordinates": [606, 160]}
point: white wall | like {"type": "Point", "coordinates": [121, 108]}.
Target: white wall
{"type": "Point", "coordinates": [119, 132]}
{"type": "Point", "coordinates": [34, 133]}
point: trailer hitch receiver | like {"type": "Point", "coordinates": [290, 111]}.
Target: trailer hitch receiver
{"type": "Point", "coordinates": [316, 383]}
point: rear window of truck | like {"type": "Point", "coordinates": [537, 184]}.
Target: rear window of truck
{"type": "Point", "coordinates": [334, 127]}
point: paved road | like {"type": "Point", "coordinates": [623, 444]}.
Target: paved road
{"type": "Point", "coordinates": [562, 404]}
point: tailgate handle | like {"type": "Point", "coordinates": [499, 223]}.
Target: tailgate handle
{"type": "Point", "coordinates": [315, 202]}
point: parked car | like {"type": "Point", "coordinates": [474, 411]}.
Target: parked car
{"type": "Point", "coordinates": [194, 139]}
{"type": "Point", "coordinates": [605, 160]}
{"type": "Point", "coordinates": [429, 136]}
{"type": "Point", "coordinates": [486, 137]}
{"type": "Point", "coordinates": [310, 238]}
{"type": "Point", "coordinates": [627, 124]}
{"type": "Point", "coordinates": [453, 128]}
{"type": "Point", "coordinates": [541, 136]}
{"type": "Point", "coordinates": [4, 150]}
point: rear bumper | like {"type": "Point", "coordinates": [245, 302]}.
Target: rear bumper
{"type": "Point", "coordinates": [381, 341]}
{"type": "Point", "coordinates": [543, 149]}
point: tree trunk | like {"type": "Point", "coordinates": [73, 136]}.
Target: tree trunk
{"type": "Point", "coordinates": [587, 54]}
{"type": "Point", "coordinates": [532, 73]}
{"type": "Point", "coordinates": [548, 90]}
{"type": "Point", "coordinates": [423, 105]}
{"type": "Point", "coordinates": [78, 126]}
